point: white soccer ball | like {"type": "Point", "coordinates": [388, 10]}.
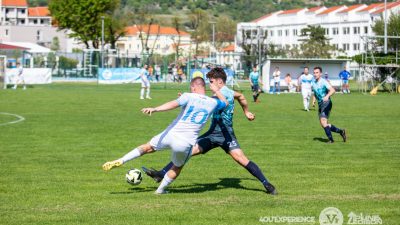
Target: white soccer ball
{"type": "Point", "coordinates": [134, 176]}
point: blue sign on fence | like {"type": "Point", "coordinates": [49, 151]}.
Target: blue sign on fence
{"type": "Point", "coordinates": [119, 75]}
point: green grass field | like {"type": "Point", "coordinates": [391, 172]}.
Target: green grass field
{"type": "Point", "coordinates": [50, 164]}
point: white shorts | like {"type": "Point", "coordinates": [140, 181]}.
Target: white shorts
{"type": "Point", "coordinates": [306, 92]}
{"type": "Point", "coordinates": [181, 149]}
{"type": "Point", "coordinates": [145, 84]}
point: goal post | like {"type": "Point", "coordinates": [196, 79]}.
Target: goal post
{"type": "Point", "coordinates": [3, 66]}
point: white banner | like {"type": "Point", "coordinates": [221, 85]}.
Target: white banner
{"type": "Point", "coordinates": [29, 75]}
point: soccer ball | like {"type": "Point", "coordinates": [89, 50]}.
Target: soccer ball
{"type": "Point", "coordinates": [134, 176]}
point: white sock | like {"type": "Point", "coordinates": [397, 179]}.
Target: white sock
{"type": "Point", "coordinates": [142, 93]}
{"type": "Point", "coordinates": [131, 155]}
{"type": "Point", "coordinates": [164, 183]}
{"type": "Point", "coordinates": [148, 92]}
{"type": "Point", "coordinates": [305, 103]}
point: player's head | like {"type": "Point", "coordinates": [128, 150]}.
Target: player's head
{"type": "Point", "coordinates": [145, 66]}
{"type": "Point", "coordinates": [306, 70]}
{"type": "Point", "coordinates": [217, 75]}
{"type": "Point", "coordinates": [317, 72]}
{"type": "Point", "coordinates": [197, 85]}
{"type": "Point", "coordinates": [255, 68]}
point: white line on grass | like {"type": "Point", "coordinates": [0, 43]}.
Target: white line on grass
{"type": "Point", "coordinates": [20, 118]}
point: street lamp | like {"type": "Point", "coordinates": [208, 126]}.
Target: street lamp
{"type": "Point", "coordinates": [385, 44]}
{"type": "Point", "coordinates": [213, 35]}
{"type": "Point", "coordinates": [102, 41]}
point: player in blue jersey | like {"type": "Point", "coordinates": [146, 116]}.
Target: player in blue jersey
{"type": "Point", "coordinates": [221, 134]}
{"type": "Point", "coordinates": [182, 133]}
{"type": "Point", "coordinates": [255, 82]}
{"type": "Point", "coordinates": [344, 76]}
{"type": "Point", "coordinates": [322, 93]}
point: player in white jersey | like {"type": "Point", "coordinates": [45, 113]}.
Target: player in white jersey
{"type": "Point", "coordinates": [182, 133]}
{"type": "Point", "coordinates": [145, 82]}
{"type": "Point", "coordinates": [305, 82]}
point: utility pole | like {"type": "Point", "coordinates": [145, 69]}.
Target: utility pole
{"type": "Point", "coordinates": [385, 47]}
{"type": "Point", "coordinates": [102, 41]}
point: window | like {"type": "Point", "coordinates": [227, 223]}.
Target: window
{"type": "Point", "coordinates": [279, 33]}
{"type": "Point", "coordinates": [346, 47]}
{"type": "Point", "coordinates": [7, 10]}
{"type": "Point", "coordinates": [336, 46]}
{"type": "Point", "coordinates": [326, 31]}
{"type": "Point", "coordinates": [365, 30]}
{"type": "Point", "coordinates": [356, 30]}
{"type": "Point", "coordinates": [22, 11]}
{"type": "Point", "coordinates": [35, 21]}
{"type": "Point", "coordinates": [356, 46]}
{"type": "Point", "coordinates": [130, 46]}
{"type": "Point", "coordinates": [346, 30]}
{"type": "Point", "coordinates": [6, 32]}
{"type": "Point", "coordinates": [38, 35]}
{"type": "Point", "coordinates": [295, 32]}
{"type": "Point", "coordinates": [271, 33]}
{"type": "Point", "coordinates": [41, 21]}
{"type": "Point", "coordinates": [22, 21]}
{"type": "Point", "coordinates": [335, 31]}
{"type": "Point", "coordinates": [286, 33]}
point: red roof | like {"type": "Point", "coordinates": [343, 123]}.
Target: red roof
{"type": "Point", "coordinates": [229, 48]}
{"type": "Point", "coordinates": [351, 8]}
{"type": "Point", "coordinates": [331, 9]}
{"type": "Point", "coordinates": [291, 11]}
{"type": "Point", "coordinates": [372, 6]}
{"type": "Point", "coordinates": [154, 30]}
{"type": "Point", "coordinates": [38, 12]}
{"type": "Point", "coordinates": [388, 6]}
{"type": "Point", "coordinates": [315, 9]}
{"type": "Point", "coordinates": [261, 18]}
{"type": "Point", "coordinates": [14, 3]}
{"type": "Point", "coordinates": [11, 47]}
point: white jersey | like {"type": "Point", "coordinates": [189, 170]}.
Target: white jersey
{"type": "Point", "coordinates": [144, 78]}
{"type": "Point", "coordinates": [305, 81]}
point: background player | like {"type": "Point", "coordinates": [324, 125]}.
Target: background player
{"type": "Point", "coordinates": [254, 79]}
{"type": "Point", "coordinates": [221, 134]}
{"type": "Point", "coordinates": [181, 135]}
{"type": "Point", "coordinates": [323, 91]}
{"type": "Point", "coordinates": [20, 77]}
{"type": "Point", "coordinates": [305, 83]}
{"type": "Point", "coordinates": [344, 75]}
{"type": "Point", "coordinates": [144, 78]}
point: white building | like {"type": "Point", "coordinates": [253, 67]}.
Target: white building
{"type": "Point", "coordinates": [163, 40]}
{"type": "Point", "coordinates": [17, 12]}
{"type": "Point", "coordinates": [344, 25]}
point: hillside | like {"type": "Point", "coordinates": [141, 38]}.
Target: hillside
{"type": "Point", "coordinates": [238, 10]}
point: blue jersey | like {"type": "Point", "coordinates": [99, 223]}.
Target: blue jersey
{"type": "Point", "coordinates": [254, 76]}
{"type": "Point", "coordinates": [320, 88]}
{"type": "Point", "coordinates": [344, 75]}
{"type": "Point", "coordinates": [225, 115]}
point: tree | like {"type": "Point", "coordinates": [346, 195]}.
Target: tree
{"type": "Point", "coordinates": [199, 26]}
{"type": "Point", "coordinates": [177, 42]}
{"type": "Point", "coordinates": [225, 31]}
{"type": "Point", "coordinates": [83, 18]}
{"type": "Point", "coordinates": [315, 44]}
{"type": "Point", "coordinates": [393, 29]}
{"type": "Point", "coordinates": [55, 44]}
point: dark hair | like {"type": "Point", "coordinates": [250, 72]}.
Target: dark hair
{"type": "Point", "coordinates": [318, 68]}
{"type": "Point", "coordinates": [198, 81]}
{"type": "Point", "coordinates": [306, 67]}
{"type": "Point", "coordinates": [216, 73]}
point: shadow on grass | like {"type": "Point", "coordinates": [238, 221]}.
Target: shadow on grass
{"type": "Point", "coordinates": [321, 139]}
{"type": "Point", "coordinates": [224, 183]}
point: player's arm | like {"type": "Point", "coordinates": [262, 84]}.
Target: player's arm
{"type": "Point", "coordinates": [330, 93]}
{"type": "Point", "coordinates": [313, 100]}
{"type": "Point", "coordinates": [251, 83]}
{"type": "Point", "coordinates": [165, 107]}
{"type": "Point", "coordinates": [243, 103]}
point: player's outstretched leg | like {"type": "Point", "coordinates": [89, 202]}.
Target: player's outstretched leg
{"type": "Point", "coordinates": [342, 132]}
{"type": "Point", "coordinates": [157, 175]}
{"type": "Point", "coordinates": [253, 169]}
{"type": "Point", "coordinates": [135, 153]}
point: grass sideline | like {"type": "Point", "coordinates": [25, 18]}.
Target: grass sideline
{"type": "Point", "coordinates": [50, 164]}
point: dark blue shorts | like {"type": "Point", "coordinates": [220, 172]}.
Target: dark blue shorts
{"type": "Point", "coordinates": [222, 136]}
{"type": "Point", "coordinates": [324, 109]}
{"type": "Point", "coordinates": [255, 88]}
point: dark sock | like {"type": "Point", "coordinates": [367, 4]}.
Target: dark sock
{"type": "Point", "coordinates": [166, 168]}
{"type": "Point", "coordinates": [335, 129]}
{"type": "Point", "coordinates": [255, 171]}
{"type": "Point", "coordinates": [328, 133]}
{"type": "Point", "coordinates": [254, 98]}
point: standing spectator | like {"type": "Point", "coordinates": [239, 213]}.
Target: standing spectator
{"type": "Point", "coordinates": [151, 71]}
{"type": "Point", "coordinates": [158, 72]}
{"type": "Point", "coordinates": [305, 81]}
{"type": "Point", "coordinates": [344, 76]}
{"type": "Point", "coordinates": [20, 77]}
{"type": "Point", "coordinates": [175, 73]}
{"type": "Point", "coordinates": [288, 80]}
{"type": "Point", "coordinates": [277, 79]}
{"type": "Point", "coordinates": [144, 74]}
{"type": "Point", "coordinates": [254, 79]}
{"type": "Point", "coordinates": [180, 74]}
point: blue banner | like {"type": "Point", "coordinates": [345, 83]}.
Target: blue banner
{"type": "Point", "coordinates": [119, 75]}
